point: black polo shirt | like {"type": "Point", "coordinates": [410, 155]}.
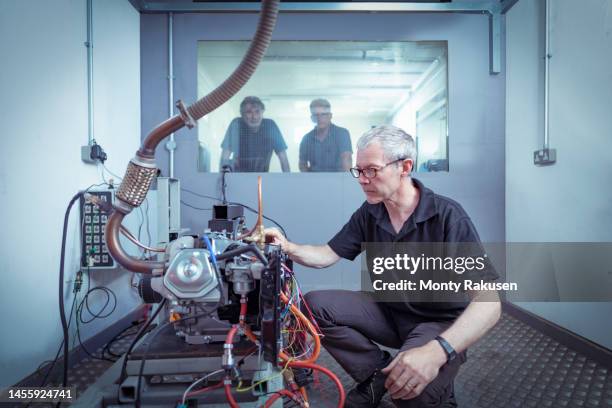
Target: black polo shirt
{"type": "Point", "coordinates": [435, 219]}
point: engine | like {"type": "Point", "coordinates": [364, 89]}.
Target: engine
{"type": "Point", "coordinates": [210, 276]}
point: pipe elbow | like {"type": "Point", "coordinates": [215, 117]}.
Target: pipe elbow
{"type": "Point", "coordinates": [119, 254]}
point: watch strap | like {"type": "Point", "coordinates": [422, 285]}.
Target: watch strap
{"type": "Point", "coordinates": [448, 349]}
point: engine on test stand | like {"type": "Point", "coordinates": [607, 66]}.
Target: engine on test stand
{"type": "Point", "coordinates": [226, 276]}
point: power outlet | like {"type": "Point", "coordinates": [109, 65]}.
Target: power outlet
{"type": "Point", "coordinates": [93, 153]}
{"type": "Point", "coordinates": [544, 157]}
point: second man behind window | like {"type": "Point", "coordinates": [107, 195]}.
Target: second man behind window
{"type": "Point", "coordinates": [327, 147]}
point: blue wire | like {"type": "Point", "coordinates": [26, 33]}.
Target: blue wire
{"type": "Point", "coordinates": [213, 258]}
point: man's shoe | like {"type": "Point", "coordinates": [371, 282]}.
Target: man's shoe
{"type": "Point", "coordinates": [368, 393]}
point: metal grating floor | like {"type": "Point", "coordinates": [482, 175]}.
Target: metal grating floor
{"type": "Point", "coordinates": [513, 366]}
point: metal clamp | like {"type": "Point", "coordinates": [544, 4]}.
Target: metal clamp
{"type": "Point", "coordinates": [187, 118]}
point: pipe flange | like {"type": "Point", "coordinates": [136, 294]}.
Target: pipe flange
{"type": "Point", "coordinates": [143, 161]}
{"type": "Point", "coordinates": [122, 206]}
{"type": "Point", "coordinates": [187, 118]}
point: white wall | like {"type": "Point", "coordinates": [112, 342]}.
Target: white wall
{"type": "Point", "coordinates": [569, 201]}
{"type": "Point", "coordinates": [43, 77]}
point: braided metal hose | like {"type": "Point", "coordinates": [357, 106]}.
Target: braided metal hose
{"type": "Point", "coordinates": [142, 170]}
{"type": "Point", "coordinates": [136, 182]}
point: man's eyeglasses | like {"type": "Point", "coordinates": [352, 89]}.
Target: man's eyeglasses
{"type": "Point", "coordinates": [316, 115]}
{"type": "Point", "coordinates": [371, 172]}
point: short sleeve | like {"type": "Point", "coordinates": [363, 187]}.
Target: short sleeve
{"type": "Point", "coordinates": [278, 143]}
{"type": "Point", "coordinates": [304, 149]}
{"type": "Point", "coordinates": [347, 242]}
{"type": "Point", "coordinates": [232, 135]}
{"type": "Point", "coordinates": [464, 231]}
{"type": "Point", "coordinates": [344, 142]}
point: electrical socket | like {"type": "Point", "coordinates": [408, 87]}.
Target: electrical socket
{"type": "Point", "coordinates": [545, 157]}
{"type": "Point", "coordinates": [93, 153]}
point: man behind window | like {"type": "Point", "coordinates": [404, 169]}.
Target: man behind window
{"type": "Point", "coordinates": [327, 147]}
{"type": "Point", "coordinates": [250, 140]}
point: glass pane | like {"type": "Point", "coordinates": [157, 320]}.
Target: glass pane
{"type": "Point", "coordinates": [365, 84]}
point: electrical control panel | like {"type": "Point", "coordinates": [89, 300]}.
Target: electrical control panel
{"type": "Point", "coordinates": [93, 225]}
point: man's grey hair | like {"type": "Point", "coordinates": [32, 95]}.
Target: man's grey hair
{"type": "Point", "coordinates": [395, 143]}
{"type": "Point", "coordinates": [251, 100]}
{"type": "Point", "coordinates": [321, 103]}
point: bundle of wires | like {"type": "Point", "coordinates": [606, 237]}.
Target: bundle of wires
{"type": "Point", "coordinates": [295, 331]}
{"type": "Point", "coordinates": [299, 352]}
{"type": "Point", "coordinates": [102, 313]}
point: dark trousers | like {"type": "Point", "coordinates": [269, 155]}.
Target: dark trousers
{"type": "Point", "coordinates": [352, 322]}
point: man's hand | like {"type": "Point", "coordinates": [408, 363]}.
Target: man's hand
{"type": "Point", "coordinates": [275, 237]}
{"type": "Point", "coordinates": [315, 256]}
{"type": "Point", "coordinates": [412, 370]}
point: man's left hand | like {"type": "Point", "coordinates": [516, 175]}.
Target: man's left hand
{"type": "Point", "coordinates": [412, 370]}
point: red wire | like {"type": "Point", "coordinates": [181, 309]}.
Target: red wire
{"type": "Point", "coordinates": [300, 364]}
{"type": "Point", "coordinates": [325, 371]}
{"type": "Point", "coordinates": [230, 398]}
{"type": "Point", "coordinates": [312, 319]}
{"type": "Point", "coordinates": [278, 395]}
{"type": "Point", "coordinates": [228, 385]}
{"type": "Point", "coordinates": [203, 390]}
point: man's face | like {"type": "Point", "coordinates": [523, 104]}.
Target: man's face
{"type": "Point", "coordinates": [252, 115]}
{"type": "Point", "coordinates": [321, 116]}
{"type": "Point", "coordinates": [387, 180]}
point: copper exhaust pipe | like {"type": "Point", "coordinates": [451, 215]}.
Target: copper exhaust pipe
{"type": "Point", "coordinates": [114, 248]}
{"type": "Point", "coordinates": [142, 170]}
{"type": "Point", "coordinates": [256, 233]}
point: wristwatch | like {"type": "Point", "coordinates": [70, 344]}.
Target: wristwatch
{"type": "Point", "coordinates": [448, 349]}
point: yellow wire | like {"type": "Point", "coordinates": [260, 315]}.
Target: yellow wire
{"type": "Point", "coordinates": [240, 389]}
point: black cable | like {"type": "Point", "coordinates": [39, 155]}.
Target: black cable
{"type": "Point", "coordinates": [98, 315]}
{"type": "Point", "coordinates": [59, 350]}
{"type": "Point", "coordinates": [61, 285]}
{"type": "Point", "coordinates": [84, 304]}
{"type": "Point", "coordinates": [194, 207]}
{"type": "Point", "coordinates": [150, 342]}
{"type": "Point", "coordinates": [140, 333]}
{"type": "Point", "coordinates": [65, 324]}
{"type": "Point", "coordinates": [235, 203]}
{"type": "Point", "coordinates": [252, 248]}
{"type": "Point", "coordinates": [200, 195]}
{"type": "Point", "coordinates": [122, 335]}
{"type": "Point", "coordinates": [90, 354]}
